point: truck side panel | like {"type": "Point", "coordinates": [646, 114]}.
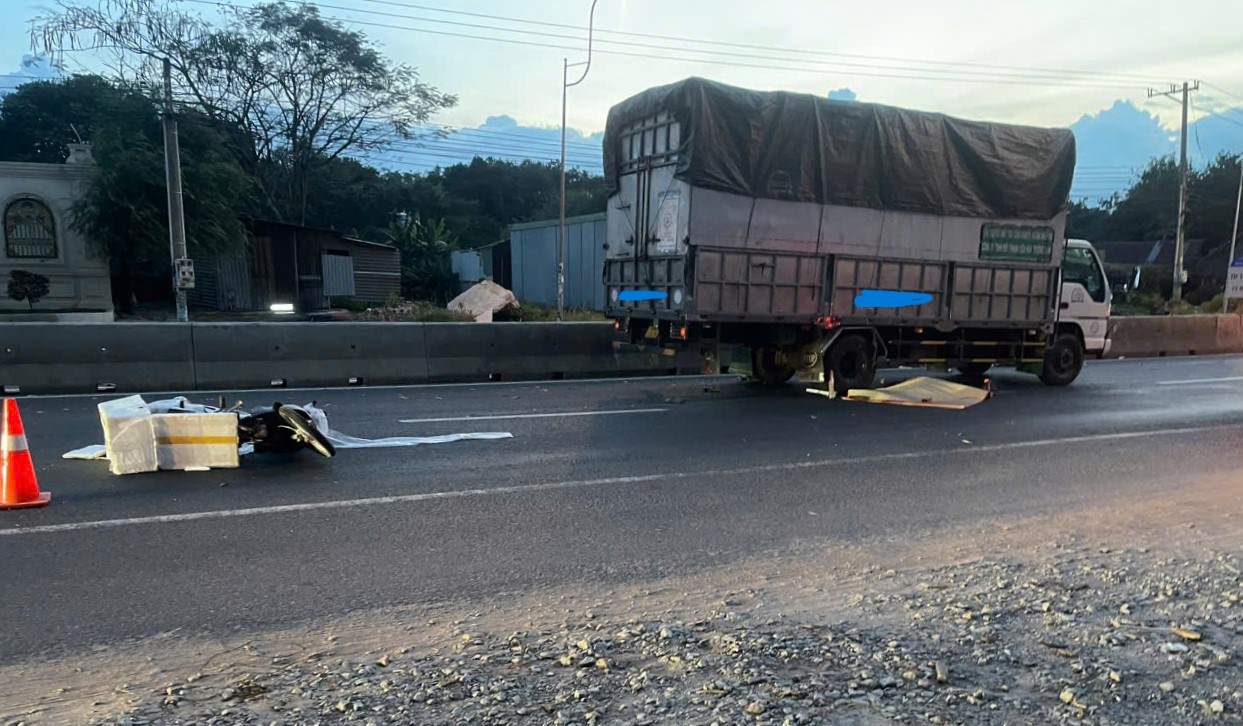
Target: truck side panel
{"type": "Point", "coordinates": [853, 275]}
{"type": "Point", "coordinates": [757, 285]}
{"type": "Point", "coordinates": [987, 294]}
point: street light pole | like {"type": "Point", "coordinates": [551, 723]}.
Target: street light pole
{"type": "Point", "coordinates": [565, 87]}
{"type": "Point", "coordinates": [1234, 236]}
{"type": "Point", "coordinates": [176, 213]}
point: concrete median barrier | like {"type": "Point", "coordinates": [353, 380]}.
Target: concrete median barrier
{"type": "Point", "coordinates": [127, 357]}
{"type": "Point", "coordinates": [458, 352]}
{"type": "Point", "coordinates": [228, 355]}
{"type": "Point", "coordinates": [1149, 336]}
{"type": "Point", "coordinates": [88, 357]}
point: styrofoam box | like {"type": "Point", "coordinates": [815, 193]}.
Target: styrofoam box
{"type": "Point", "coordinates": [128, 438]}
{"type": "Point", "coordinates": [193, 440]}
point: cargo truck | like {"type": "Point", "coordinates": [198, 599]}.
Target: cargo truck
{"type": "Point", "coordinates": [829, 238]}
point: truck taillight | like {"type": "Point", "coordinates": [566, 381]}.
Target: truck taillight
{"type": "Point", "coordinates": [617, 325]}
{"type": "Point", "coordinates": [828, 322]}
{"type": "Point", "coordinates": [682, 332]}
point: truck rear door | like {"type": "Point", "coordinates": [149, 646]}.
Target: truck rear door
{"type": "Point", "coordinates": [647, 217]}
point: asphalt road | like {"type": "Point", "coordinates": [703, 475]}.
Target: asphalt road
{"type": "Point", "coordinates": [654, 477]}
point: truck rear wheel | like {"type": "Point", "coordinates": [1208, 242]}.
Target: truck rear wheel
{"type": "Point", "coordinates": [768, 366]}
{"type": "Point", "coordinates": [1063, 360]}
{"type": "Point", "coordinates": [851, 363]}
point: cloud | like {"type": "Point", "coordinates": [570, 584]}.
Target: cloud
{"type": "Point", "coordinates": [502, 137]}
{"type": "Point", "coordinates": [31, 68]}
{"type": "Point", "coordinates": [1116, 144]}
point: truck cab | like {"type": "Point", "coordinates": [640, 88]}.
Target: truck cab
{"type": "Point", "coordinates": [1085, 297]}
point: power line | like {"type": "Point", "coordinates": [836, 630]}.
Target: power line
{"type": "Point", "coordinates": [519, 157]}
{"type": "Point", "coordinates": [702, 61]}
{"type": "Point", "coordinates": [458, 161]}
{"type": "Point", "coordinates": [1219, 89]}
{"type": "Point", "coordinates": [800, 51]}
{"type": "Point", "coordinates": [521, 137]}
{"type": "Point", "coordinates": [454, 140]}
{"type": "Point", "coordinates": [633, 44]}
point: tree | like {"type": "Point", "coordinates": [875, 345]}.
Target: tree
{"type": "Point", "coordinates": [39, 120]}
{"type": "Point", "coordinates": [1212, 192]}
{"type": "Point", "coordinates": [29, 286]}
{"type": "Point", "coordinates": [124, 211]}
{"type": "Point", "coordinates": [1090, 223]}
{"type": "Point", "coordinates": [426, 272]}
{"type": "Point", "coordinates": [1149, 209]}
{"type": "Point", "coordinates": [291, 88]}
{"type": "Point", "coordinates": [487, 195]}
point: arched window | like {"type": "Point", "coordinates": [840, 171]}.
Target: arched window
{"type": "Point", "coordinates": [29, 230]}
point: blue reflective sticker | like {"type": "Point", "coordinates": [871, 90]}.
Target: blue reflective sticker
{"type": "Point", "coordinates": [641, 295]}
{"type": "Point", "coordinates": [891, 299]}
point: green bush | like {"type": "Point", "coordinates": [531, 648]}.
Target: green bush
{"type": "Point", "coordinates": [354, 305]}
{"type": "Point", "coordinates": [535, 313]}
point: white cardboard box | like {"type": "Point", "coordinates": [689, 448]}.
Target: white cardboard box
{"type": "Point", "coordinates": [128, 437]}
{"type": "Point", "coordinates": [193, 440]}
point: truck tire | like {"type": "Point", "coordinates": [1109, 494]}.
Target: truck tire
{"type": "Point", "coordinates": [767, 368]}
{"type": "Point", "coordinates": [1063, 360]}
{"type": "Point", "coordinates": [851, 363]}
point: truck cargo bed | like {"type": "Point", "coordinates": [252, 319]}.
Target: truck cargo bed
{"type": "Point", "coordinates": [737, 285]}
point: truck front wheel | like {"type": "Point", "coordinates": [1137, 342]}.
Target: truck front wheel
{"type": "Point", "coordinates": [1063, 360]}
{"type": "Point", "coordinates": [851, 363]}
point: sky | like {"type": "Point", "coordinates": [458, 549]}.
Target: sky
{"type": "Point", "coordinates": [1050, 63]}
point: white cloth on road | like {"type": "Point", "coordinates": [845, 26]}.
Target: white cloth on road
{"type": "Point", "coordinates": [318, 417]}
{"type": "Point", "coordinates": [345, 441]}
{"type": "Point", "coordinates": [341, 441]}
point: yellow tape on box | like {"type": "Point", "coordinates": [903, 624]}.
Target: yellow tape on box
{"type": "Point", "coordinates": [192, 441]}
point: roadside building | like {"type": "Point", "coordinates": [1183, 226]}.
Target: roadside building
{"type": "Point", "coordinates": [533, 256]}
{"type": "Point", "coordinates": [288, 264]}
{"type": "Point", "coordinates": [36, 207]}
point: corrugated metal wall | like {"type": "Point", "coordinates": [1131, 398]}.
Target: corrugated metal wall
{"type": "Point", "coordinates": [468, 266]}
{"type": "Point", "coordinates": [338, 275]}
{"type": "Point", "coordinates": [223, 283]}
{"type": "Point", "coordinates": [377, 272]}
{"type": "Point", "coordinates": [533, 251]}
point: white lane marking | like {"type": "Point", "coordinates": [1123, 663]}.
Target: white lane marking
{"type": "Point", "coordinates": [1197, 381]}
{"type": "Point", "coordinates": [402, 386]}
{"type": "Point", "coordinates": [499, 417]}
{"type": "Point", "coordinates": [1205, 358]}
{"type": "Point", "coordinates": [586, 483]}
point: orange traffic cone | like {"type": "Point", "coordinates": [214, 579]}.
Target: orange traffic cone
{"type": "Point", "coordinates": [18, 487]}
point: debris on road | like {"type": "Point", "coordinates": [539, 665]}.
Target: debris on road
{"type": "Point", "coordinates": [922, 391]}
{"type": "Point", "coordinates": [128, 437]}
{"type": "Point", "coordinates": [179, 435]}
{"type": "Point", "coordinates": [483, 300]}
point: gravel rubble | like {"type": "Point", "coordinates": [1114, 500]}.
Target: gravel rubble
{"type": "Point", "coordinates": [1092, 636]}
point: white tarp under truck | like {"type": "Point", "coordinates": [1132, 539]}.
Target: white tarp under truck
{"type": "Point", "coordinates": [831, 237]}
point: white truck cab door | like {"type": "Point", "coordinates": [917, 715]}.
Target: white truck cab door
{"type": "Point", "coordinates": [1085, 297]}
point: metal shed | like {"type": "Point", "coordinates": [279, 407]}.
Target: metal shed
{"type": "Point", "coordinates": [306, 266]}
{"type": "Point", "coordinates": [533, 252]}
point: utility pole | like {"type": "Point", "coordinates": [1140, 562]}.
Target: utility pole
{"type": "Point", "coordinates": [565, 87]}
{"type": "Point", "coordinates": [1234, 237]}
{"type": "Point", "coordinates": [176, 212]}
{"type": "Point", "coordinates": [1176, 292]}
